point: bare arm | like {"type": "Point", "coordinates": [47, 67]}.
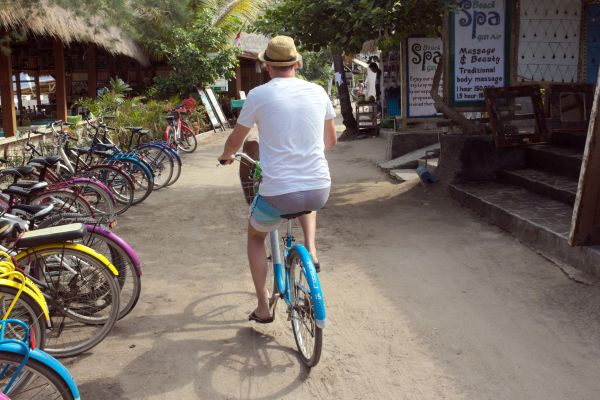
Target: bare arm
{"type": "Point", "coordinates": [330, 135]}
{"type": "Point", "coordinates": [234, 142]}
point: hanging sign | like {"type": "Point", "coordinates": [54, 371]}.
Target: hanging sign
{"type": "Point", "coordinates": [479, 50]}
{"type": "Point", "coordinates": [424, 55]}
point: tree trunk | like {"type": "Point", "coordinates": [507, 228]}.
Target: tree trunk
{"type": "Point", "coordinates": [345, 102]}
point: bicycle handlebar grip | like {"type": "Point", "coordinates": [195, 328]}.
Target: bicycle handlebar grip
{"type": "Point", "coordinates": [223, 162]}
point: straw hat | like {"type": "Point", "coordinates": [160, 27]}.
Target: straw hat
{"type": "Point", "coordinates": [281, 52]}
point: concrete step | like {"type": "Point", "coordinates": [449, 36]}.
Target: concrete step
{"type": "Point", "coordinates": [410, 160]}
{"type": "Point", "coordinates": [537, 221]}
{"type": "Point", "coordinates": [404, 175]}
{"type": "Point", "coordinates": [556, 160]}
{"type": "Point", "coordinates": [574, 141]}
{"type": "Point", "coordinates": [556, 187]}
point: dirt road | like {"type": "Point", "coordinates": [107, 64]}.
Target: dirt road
{"type": "Point", "coordinates": [424, 301]}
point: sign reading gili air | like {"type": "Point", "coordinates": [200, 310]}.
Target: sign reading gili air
{"type": "Point", "coordinates": [479, 49]}
{"type": "Point", "coordinates": [424, 55]}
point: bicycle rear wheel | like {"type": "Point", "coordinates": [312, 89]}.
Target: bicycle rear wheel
{"type": "Point", "coordinates": [35, 381]}
{"type": "Point", "coordinates": [117, 181]}
{"type": "Point", "coordinates": [161, 163]}
{"type": "Point", "coordinates": [308, 336]}
{"type": "Point", "coordinates": [82, 295]}
{"type": "Point", "coordinates": [64, 201]}
{"type": "Point", "coordinates": [187, 143]}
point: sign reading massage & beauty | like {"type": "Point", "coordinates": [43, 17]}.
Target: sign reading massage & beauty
{"type": "Point", "coordinates": [424, 55]}
{"type": "Point", "coordinates": [479, 50]}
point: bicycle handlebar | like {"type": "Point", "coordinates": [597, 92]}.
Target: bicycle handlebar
{"type": "Point", "coordinates": [239, 156]}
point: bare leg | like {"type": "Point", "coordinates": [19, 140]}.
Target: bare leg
{"type": "Point", "coordinates": [258, 268]}
{"type": "Point", "coordinates": [309, 227]}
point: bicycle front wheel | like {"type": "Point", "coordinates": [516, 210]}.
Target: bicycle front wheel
{"type": "Point", "coordinates": [117, 181]}
{"type": "Point", "coordinates": [308, 336]}
{"type": "Point", "coordinates": [160, 162]}
{"type": "Point", "coordinates": [35, 381]}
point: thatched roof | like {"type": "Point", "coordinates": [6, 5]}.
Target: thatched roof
{"type": "Point", "coordinates": [252, 44]}
{"type": "Point", "coordinates": [54, 21]}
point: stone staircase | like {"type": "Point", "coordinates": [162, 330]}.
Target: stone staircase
{"type": "Point", "coordinates": [534, 201]}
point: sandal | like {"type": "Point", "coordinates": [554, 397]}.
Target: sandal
{"type": "Point", "coordinates": [257, 319]}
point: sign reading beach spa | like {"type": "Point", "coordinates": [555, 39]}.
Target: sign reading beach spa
{"type": "Point", "coordinates": [479, 49]}
{"type": "Point", "coordinates": [424, 55]}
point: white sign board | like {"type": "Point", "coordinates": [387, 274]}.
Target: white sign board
{"type": "Point", "coordinates": [217, 107]}
{"type": "Point", "coordinates": [214, 121]}
{"type": "Point", "coordinates": [423, 57]}
{"type": "Point", "coordinates": [479, 49]}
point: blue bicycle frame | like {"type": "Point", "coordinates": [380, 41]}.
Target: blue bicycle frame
{"type": "Point", "coordinates": [282, 275]}
{"type": "Point", "coordinates": [23, 349]}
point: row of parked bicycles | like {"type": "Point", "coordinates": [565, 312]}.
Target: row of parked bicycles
{"type": "Point", "coordinates": [65, 277]}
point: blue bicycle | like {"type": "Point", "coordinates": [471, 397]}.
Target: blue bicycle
{"type": "Point", "coordinates": [295, 281]}
{"type": "Point", "coordinates": [30, 373]}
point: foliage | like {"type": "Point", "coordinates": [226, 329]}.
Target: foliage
{"type": "Point", "coordinates": [349, 22]}
{"type": "Point", "coordinates": [316, 67]}
{"type": "Point", "coordinates": [231, 15]}
{"type": "Point", "coordinates": [198, 54]}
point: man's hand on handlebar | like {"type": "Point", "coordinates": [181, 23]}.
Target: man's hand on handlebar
{"type": "Point", "coordinates": [226, 159]}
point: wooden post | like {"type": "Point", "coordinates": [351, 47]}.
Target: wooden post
{"type": "Point", "coordinates": [17, 74]}
{"type": "Point", "coordinates": [38, 89]}
{"type": "Point", "coordinates": [404, 83]}
{"type": "Point", "coordinates": [585, 228]}
{"type": "Point", "coordinates": [92, 71]}
{"type": "Point", "coordinates": [238, 80]}
{"type": "Point", "coordinates": [9, 118]}
{"type": "Point", "coordinates": [60, 79]}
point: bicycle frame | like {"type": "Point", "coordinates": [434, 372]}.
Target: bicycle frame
{"type": "Point", "coordinates": [282, 275]}
{"type": "Point", "coordinates": [23, 349]}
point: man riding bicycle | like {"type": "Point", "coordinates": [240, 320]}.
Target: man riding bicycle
{"type": "Point", "coordinates": [295, 122]}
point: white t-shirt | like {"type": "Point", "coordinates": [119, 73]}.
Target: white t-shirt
{"type": "Point", "coordinates": [290, 114]}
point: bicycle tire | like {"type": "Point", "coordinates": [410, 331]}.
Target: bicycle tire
{"type": "Point", "coordinates": [177, 164]}
{"type": "Point", "coordinates": [117, 181]}
{"type": "Point", "coordinates": [302, 308]}
{"type": "Point", "coordinates": [37, 375]}
{"type": "Point", "coordinates": [143, 182]}
{"type": "Point", "coordinates": [64, 201]}
{"type": "Point", "coordinates": [101, 202]}
{"type": "Point", "coordinates": [27, 310]}
{"type": "Point", "coordinates": [188, 142]}
{"type": "Point", "coordinates": [161, 163]}
{"type": "Point", "coordinates": [92, 313]}
{"type": "Point", "coordinates": [129, 279]}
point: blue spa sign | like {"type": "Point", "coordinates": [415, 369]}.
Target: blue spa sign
{"type": "Point", "coordinates": [479, 50]}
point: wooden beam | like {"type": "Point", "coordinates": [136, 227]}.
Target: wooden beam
{"type": "Point", "coordinates": [60, 79]}
{"type": "Point", "coordinates": [585, 228]}
{"type": "Point", "coordinates": [92, 71]}
{"type": "Point", "coordinates": [9, 118]}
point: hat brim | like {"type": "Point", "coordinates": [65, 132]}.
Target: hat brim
{"type": "Point", "coordinates": [261, 58]}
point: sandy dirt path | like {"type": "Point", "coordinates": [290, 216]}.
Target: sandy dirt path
{"type": "Point", "coordinates": [424, 301]}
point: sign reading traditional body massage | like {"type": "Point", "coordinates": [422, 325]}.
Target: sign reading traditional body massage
{"type": "Point", "coordinates": [424, 55]}
{"type": "Point", "coordinates": [479, 49]}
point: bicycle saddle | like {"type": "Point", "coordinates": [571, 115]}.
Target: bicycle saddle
{"type": "Point", "coordinates": [33, 211]}
{"type": "Point", "coordinates": [295, 215]}
{"type": "Point", "coordinates": [7, 228]}
{"type": "Point", "coordinates": [170, 118]}
{"type": "Point", "coordinates": [26, 189]}
{"type": "Point", "coordinates": [55, 234]}
{"type": "Point", "coordinates": [18, 171]}
{"type": "Point", "coordinates": [49, 161]}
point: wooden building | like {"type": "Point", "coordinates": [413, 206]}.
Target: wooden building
{"type": "Point", "coordinates": [78, 55]}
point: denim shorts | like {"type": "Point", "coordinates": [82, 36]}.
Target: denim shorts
{"type": "Point", "coordinates": [266, 211]}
